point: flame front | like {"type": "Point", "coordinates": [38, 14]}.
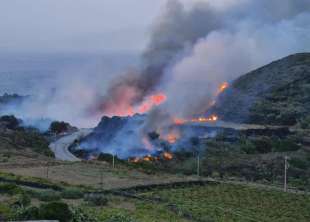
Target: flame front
{"type": "Point", "coordinates": [123, 105]}
{"type": "Point", "coordinates": [167, 156]}
{"type": "Point", "coordinates": [150, 102]}
{"type": "Point", "coordinates": [212, 118]}
{"type": "Point", "coordinates": [171, 137]}
{"type": "Point", "coordinates": [222, 88]}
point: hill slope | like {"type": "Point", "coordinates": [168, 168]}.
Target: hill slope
{"type": "Point", "coordinates": [278, 94]}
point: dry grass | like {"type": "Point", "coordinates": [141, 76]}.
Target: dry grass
{"type": "Point", "coordinates": [82, 173]}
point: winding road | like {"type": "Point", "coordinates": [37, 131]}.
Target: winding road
{"type": "Point", "coordinates": [61, 146]}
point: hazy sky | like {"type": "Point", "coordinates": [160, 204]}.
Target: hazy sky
{"type": "Point", "coordinates": [76, 25]}
{"type": "Point", "coordinates": [79, 25]}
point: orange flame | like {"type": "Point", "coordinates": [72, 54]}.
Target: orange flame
{"type": "Point", "coordinates": [124, 108]}
{"type": "Point", "coordinates": [172, 137]}
{"type": "Point", "coordinates": [150, 102]}
{"type": "Point", "coordinates": [212, 118]}
{"type": "Point", "coordinates": [167, 156]}
{"type": "Point", "coordinates": [179, 121]}
{"type": "Point", "coordinates": [149, 158]}
{"type": "Point", "coordinates": [222, 88]}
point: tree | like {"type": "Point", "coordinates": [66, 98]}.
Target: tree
{"type": "Point", "coordinates": [59, 127]}
{"type": "Point", "coordinates": [11, 121]}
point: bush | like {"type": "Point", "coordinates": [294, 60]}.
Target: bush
{"type": "Point", "coordinates": [97, 200]}
{"type": "Point", "coordinates": [72, 194]}
{"type": "Point", "coordinates": [55, 211]}
{"type": "Point", "coordinates": [80, 215]}
{"type": "Point", "coordinates": [20, 200]}
{"type": "Point", "coordinates": [299, 163]}
{"type": "Point", "coordinates": [247, 147]}
{"type": "Point", "coordinates": [31, 213]}
{"type": "Point", "coordinates": [47, 195]}
{"type": "Point", "coordinates": [263, 145]}
{"type": "Point", "coordinates": [10, 189]}
{"type": "Point", "coordinates": [11, 122]}
{"type": "Point", "coordinates": [5, 212]}
{"type": "Point", "coordinates": [285, 145]}
{"type": "Point", "coordinates": [305, 123]}
{"type": "Point", "coordinates": [59, 127]}
{"type": "Point", "coordinates": [119, 218]}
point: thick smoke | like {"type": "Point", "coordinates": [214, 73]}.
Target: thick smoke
{"type": "Point", "coordinates": [194, 49]}
{"type": "Point", "coordinates": [174, 31]}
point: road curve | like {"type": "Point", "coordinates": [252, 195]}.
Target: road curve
{"type": "Point", "coordinates": [61, 146]}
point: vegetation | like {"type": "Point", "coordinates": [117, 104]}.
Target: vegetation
{"type": "Point", "coordinates": [47, 196]}
{"type": "Point", "coordinates": [22, 139]}
{"type": "Point", "coordinates": [72, 193]}
{"type": "Point", "coordinates": [11, 122]}
{"type": "Point", "coordinates": [56, 211]}
{"type": "Point", "coordinates": [96, 199]}
{"type": "Point", "coordinates": [276, 94]}
{"type": "Point", "coordinates": [235, 203]}
{"type": "Point", "coordinates": [60, 127]}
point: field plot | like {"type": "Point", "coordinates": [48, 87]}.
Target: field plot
{"type": "Point", "coordinates": [95, 175]}
{"type": "Point", "coordinates": [228, 202]}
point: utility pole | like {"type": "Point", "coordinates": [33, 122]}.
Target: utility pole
{"type": "Point", "coordinates": [47, 169]}
{"type": "Point", "coordinates": [198, 165]}
{"type": "Point", "coordinates": [101, 177]}
{"type": "Point", "coordinates": [113, 162]}
{"type": "Point", "coordinates": [286, 166]}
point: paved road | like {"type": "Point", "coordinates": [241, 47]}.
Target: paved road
{"type": "Point", "coordinates": [60, 146]}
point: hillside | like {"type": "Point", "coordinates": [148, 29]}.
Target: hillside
{"type": "Point", "coordinates": [278, 94]}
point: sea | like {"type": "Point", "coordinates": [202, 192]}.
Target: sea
{"type": "Point", "coordinates": [24, 73]}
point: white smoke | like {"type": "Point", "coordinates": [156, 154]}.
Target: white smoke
{"type": "Point", "coordinates": [69, 92]}
{"type": "Point", "coordinates": [246, 41]}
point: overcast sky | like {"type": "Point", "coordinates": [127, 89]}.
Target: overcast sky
{"type": "Point", "coordinates": [76, 25]}
{"type": "Point", "coordinates": [79, 25]}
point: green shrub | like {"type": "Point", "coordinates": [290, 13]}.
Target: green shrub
{"type": "Point", "coordinates": [285, 145]}
{"type": "Point", "coordinates": [119, 218]}
{"type": "Point", "coordinates": [80, 215]}
{"type": "Point", "coordinates": [5, 212]}
{"type": "Point", "coordinates": [305, 123]}
{"type": "Point", "coordinates": [10, 189]}
{"type": "Point", "coordinates": [55, 211]}
{"type": "Point", "coordinates": [97, 200]}
{"type": "Point", "coordinates": [47, 195]}
{"type": "Point", "coordinates": [263, 145]}
{"type": "Point", "coordinates": [247, 147]}
{"type": "Point", "coordinates": [20, 200]}
{"type": "Point", "coordinates": [72, 194]}
{"type": "Point", "coordinates": [30, 213]}
{"type": "Point", "coordinates": [299, 163]}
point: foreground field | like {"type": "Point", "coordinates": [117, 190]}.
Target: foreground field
{"type": "Point", "coordinates": [96, 192]}
{"type": "Point", "coordinates": [209, 201]}
{"type": "Point", "coordinates": [227, 202]}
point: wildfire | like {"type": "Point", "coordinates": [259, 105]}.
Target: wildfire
{"type": "Point", "coordinates": [222, 88]}
{"type": "Point", "coordinates": [212, 118]}
{"type": "Point", "coordinates": [167, 156]}
{"type": "Point", "coordinates": [149, 158]}
{"type": "Point", "coordinates": [123, 106]}
{"type": "Point", "coordinates": [179, 121]}
{"type": "Point", "coordinates": [172, 137]}
{"type": "Point", "coordinates": [150, 102]}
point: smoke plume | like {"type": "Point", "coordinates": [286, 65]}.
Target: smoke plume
{"type": "Point", "coordinates": [194, 48]}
